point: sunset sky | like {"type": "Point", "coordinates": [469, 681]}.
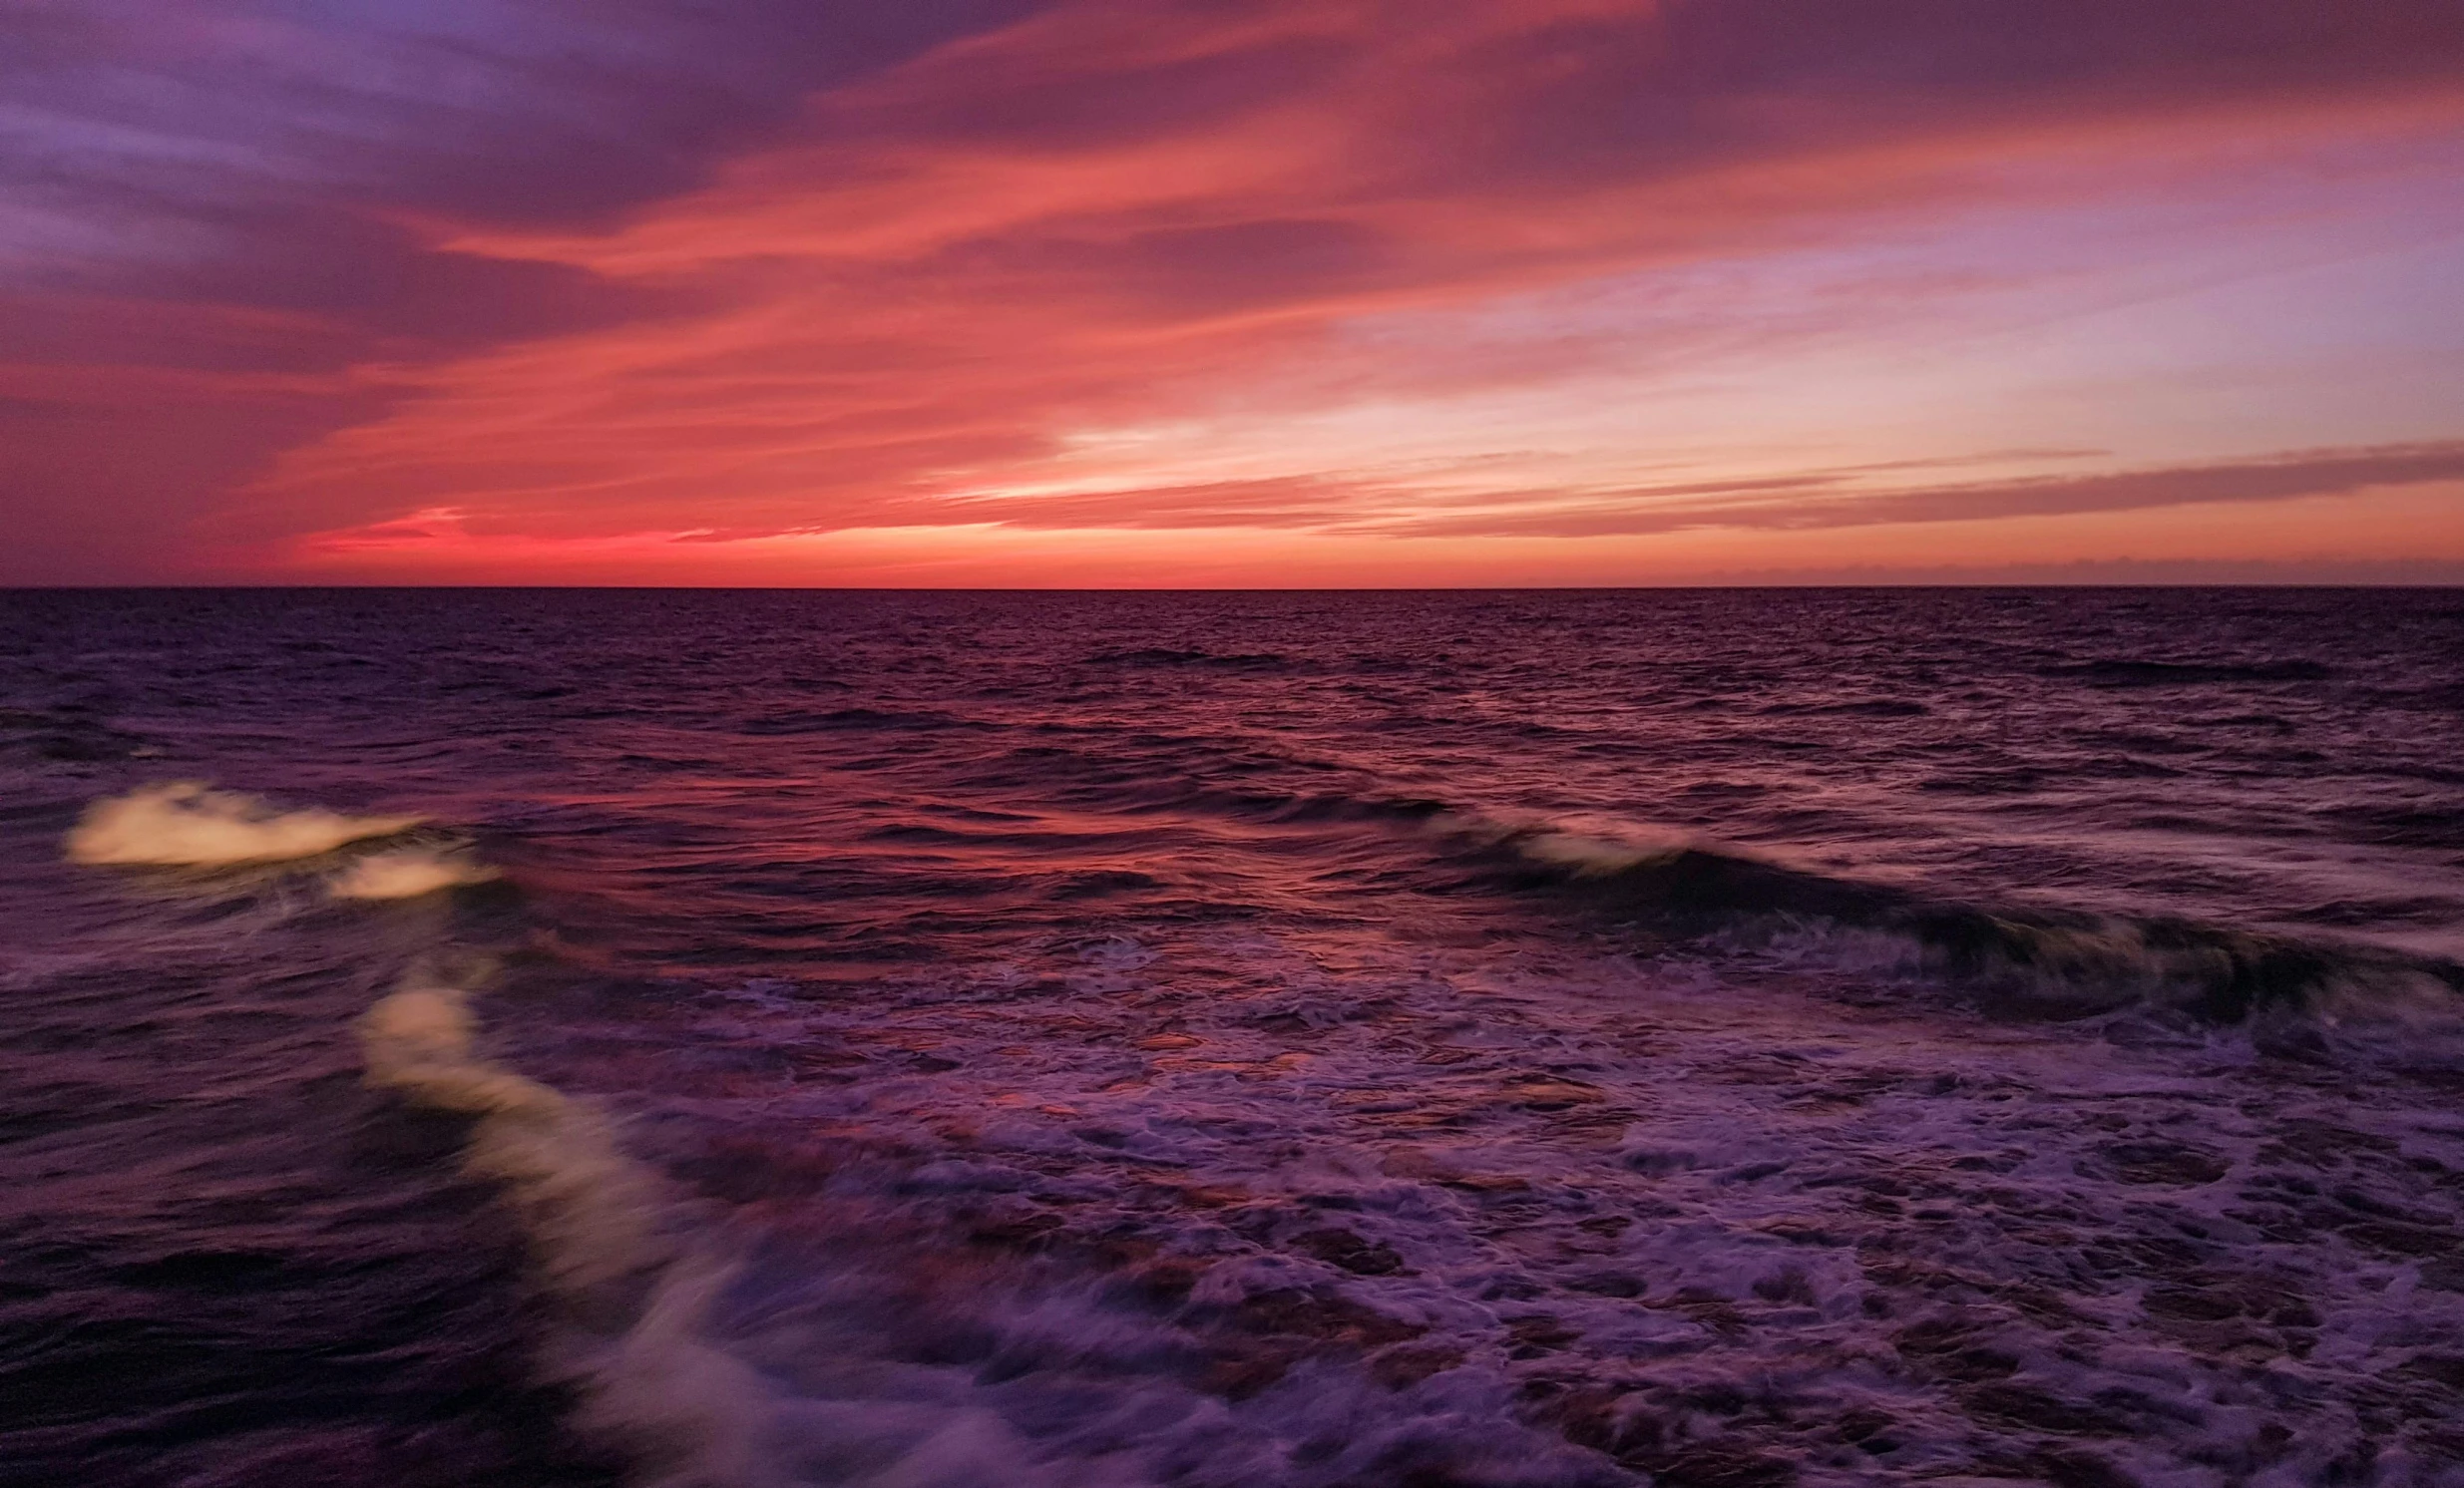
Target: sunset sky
{"type": "Point", "coordinates": [1230, 292]}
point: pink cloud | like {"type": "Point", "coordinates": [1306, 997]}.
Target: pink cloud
{"type": "Point", "coordinates": [1783, 504]}
{"type": "Point", "coordinates": [894, 295]}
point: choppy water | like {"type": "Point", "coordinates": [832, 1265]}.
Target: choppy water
{"type": "Point", "coordinates": [1726, 1038]}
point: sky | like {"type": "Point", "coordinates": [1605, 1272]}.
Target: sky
{"type": "Point", "coordinates": [1231, 293]}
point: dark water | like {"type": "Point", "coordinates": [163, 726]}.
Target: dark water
{"type": "Point", "coordinates": [1704, 1038]}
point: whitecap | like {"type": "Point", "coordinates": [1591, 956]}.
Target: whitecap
{"type": "Point", "coordinates": [191, 824]}
{"type": "Point", "coordinates": [407, 872]}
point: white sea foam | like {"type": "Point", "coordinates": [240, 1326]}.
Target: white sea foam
{"type": "Point", "coordinates": [1441, 1204]}
{"type": "Point", "coordinates": [1693, 1216]}
{"type": "Point", "coordinates": [590, 1213]}
{"type": "Point", "coordinates": [692, 1415]}
{"type": "Point", "coordinates": [799, 1376]}
{"type": "Point", "coordinates": [408, 873]}
{"type": "Point", "coordinates": [187, 824]}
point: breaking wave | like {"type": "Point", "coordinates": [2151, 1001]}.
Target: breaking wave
{"type": "Point", "coordinates": [1055, 1390]}
{"type": "Point", "coordinates": [2051, 961]}
{"type": "Point", "coordinates": [408, 873]}
{"type": "Point", "coordinates": [2046, 960]}
{"type": "Point", "coordinates": [185, 824]}
{"type": "Point", "coordinates": [598, 1226]}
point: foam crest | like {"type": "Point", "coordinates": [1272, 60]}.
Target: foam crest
{"type": "Point", "coordinates": [689, 1412]}
{"type": "Point", "coordinates": [1592, 856]}
{"type": "Point", "coordinates": [588, 1211]}
{"type": "Point", "coordinates": [690, 1415]}
{"type": "Point", "coordinates": [408, 873]}
{"type": "Point", "coordinates": [185, 824]}
{"type": "Point", "coordinates": [2056, 959]}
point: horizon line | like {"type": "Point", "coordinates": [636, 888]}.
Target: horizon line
{"type": "Point", "coordinates": [1496, 589]}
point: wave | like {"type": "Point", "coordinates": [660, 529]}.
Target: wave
{"type": "Point", "coordinates": [660, 1334]}
{"type": "Point", "coordinates": [2045, 961]}
{"type": "Point", "coordinates": [2053, 959]}
{"type": "Point", "coordinates": [408, 873]}
{"type": "Point", "coordinates": [185, 824]}
{"type": "Point", "coordinates": [709, 1355]}
{"type": "Point", "coordinates": [588, 1210]}
{"type": "Point", "coordinates": [597, 1227]}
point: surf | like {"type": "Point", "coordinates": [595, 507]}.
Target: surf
{"type": "Point", "coordinates": [2045, 961]}
{"type": "Point", "coordinates": [408, 873]}
{"type": "Point", "coordinates": [187, 824]}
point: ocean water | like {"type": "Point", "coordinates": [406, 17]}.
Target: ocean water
{"type": "Point", "coordinates": [1715, 1039]}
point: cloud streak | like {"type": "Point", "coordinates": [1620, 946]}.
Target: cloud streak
{"type": "Point", "coordinates": [578, 272]}
{"type": "Point", "coordinates": [1783, 504]}
{"type": "Point", "coordinates": [258, 187]}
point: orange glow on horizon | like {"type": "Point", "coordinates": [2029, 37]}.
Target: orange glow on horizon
{"type": "Point", "coordinates": [2423, 525]}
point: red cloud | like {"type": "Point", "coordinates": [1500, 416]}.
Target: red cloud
{"type": "Point", "coordinates": [897, 302]}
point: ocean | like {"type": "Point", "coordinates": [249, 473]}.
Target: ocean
{"type": "Point", "coordinates": [1706, 1038]}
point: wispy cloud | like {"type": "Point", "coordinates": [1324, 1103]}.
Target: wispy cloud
{"type": "Point", "coordinates": [574, 271]}
{"type": "Point", "coordinates": [1820, 501]}
{"type": "Point", "coordinates": [256, 187]}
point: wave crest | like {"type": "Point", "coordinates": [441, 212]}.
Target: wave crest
{"type": "Point", "coordinates": [2048, 961]}
{"type": "Point", "coordinates": [408, 873]}
{"type": "Point", "coordinates": [590, 1212]}
{"type": "Point", "coordinates": [187, 823]}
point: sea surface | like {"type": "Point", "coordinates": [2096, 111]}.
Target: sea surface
{"type": "Point", "coordinates": [1716, 1039]}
